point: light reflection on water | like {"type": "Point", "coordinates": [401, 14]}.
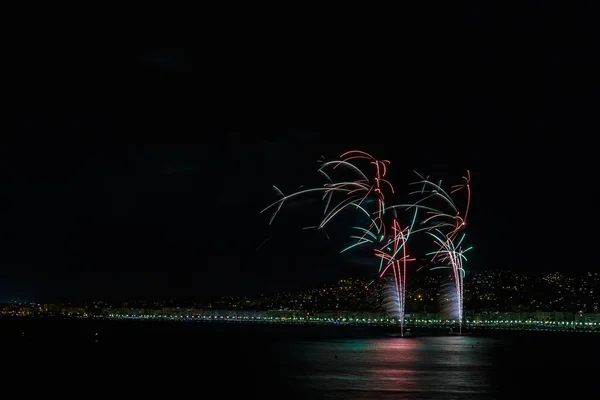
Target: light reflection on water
{"type": "Point", "coordinates": [448, 367]}
{"type": "Point", "coordinates": [256, 361]}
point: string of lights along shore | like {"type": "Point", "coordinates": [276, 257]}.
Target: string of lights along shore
{"type": "Point", "coordinates": [357, 181]}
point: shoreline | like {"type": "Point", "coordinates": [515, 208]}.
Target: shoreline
{"type": "Point", "coordinates": [88, 327]}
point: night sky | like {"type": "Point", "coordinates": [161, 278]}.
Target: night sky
{"type": "Point", "coordinates": [137, 167]}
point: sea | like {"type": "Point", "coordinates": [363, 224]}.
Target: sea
{"type": "Point", "coordinates": [81, 358]}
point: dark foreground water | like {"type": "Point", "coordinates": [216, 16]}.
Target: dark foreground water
{"type": "Point", "coordinates": [176, 360]}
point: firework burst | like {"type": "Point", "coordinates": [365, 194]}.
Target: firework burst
{"type": "Point", "coordinates": [451, 219]}
{"type": "Point", "coordinates": [348, 193]}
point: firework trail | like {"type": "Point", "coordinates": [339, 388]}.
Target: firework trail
{"type": "Point", "coordinates": [452, 256]}
{"type": "Point", "coordinates": [394, 254]}
{"type": "Point", "coordinates": [448, 301]}
{"type": "Point", "coordinates": [375, 185]}
{"type": "Point", "coordinates": [351, 193]}
{"type": "Point", "coordinates": [391, 299]}
{"type": "Point", "coordinates": [451, 219]}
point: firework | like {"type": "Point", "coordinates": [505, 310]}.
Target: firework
{"type": "Point", "coordinates": [394, 254]}
{"type": "Point", "coordinates": [452, 218]}
{"type": "Point", "coordinates": [391, 299]}
{"type": "Point", "coordinates": [448, 300]}
{"type": "Point", "coordinates": [353, 193]}
{"type": "Point", "coordinates": [451, 255]}
{"type": "Point", "coordinates": [444, 227]}
{"type": "Point", "coordinates": [393, 261]}
{"type": "Point", "coordinates": [348, 193]}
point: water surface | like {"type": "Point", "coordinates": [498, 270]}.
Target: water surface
{"type": "Point", "coordinates": [104, 358]}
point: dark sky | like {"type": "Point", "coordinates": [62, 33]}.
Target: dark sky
{"type": "Point", "coordinates": [136, 167]}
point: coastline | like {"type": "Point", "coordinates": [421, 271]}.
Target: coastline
{"type": "Point", "coordinates": [71, 328]}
